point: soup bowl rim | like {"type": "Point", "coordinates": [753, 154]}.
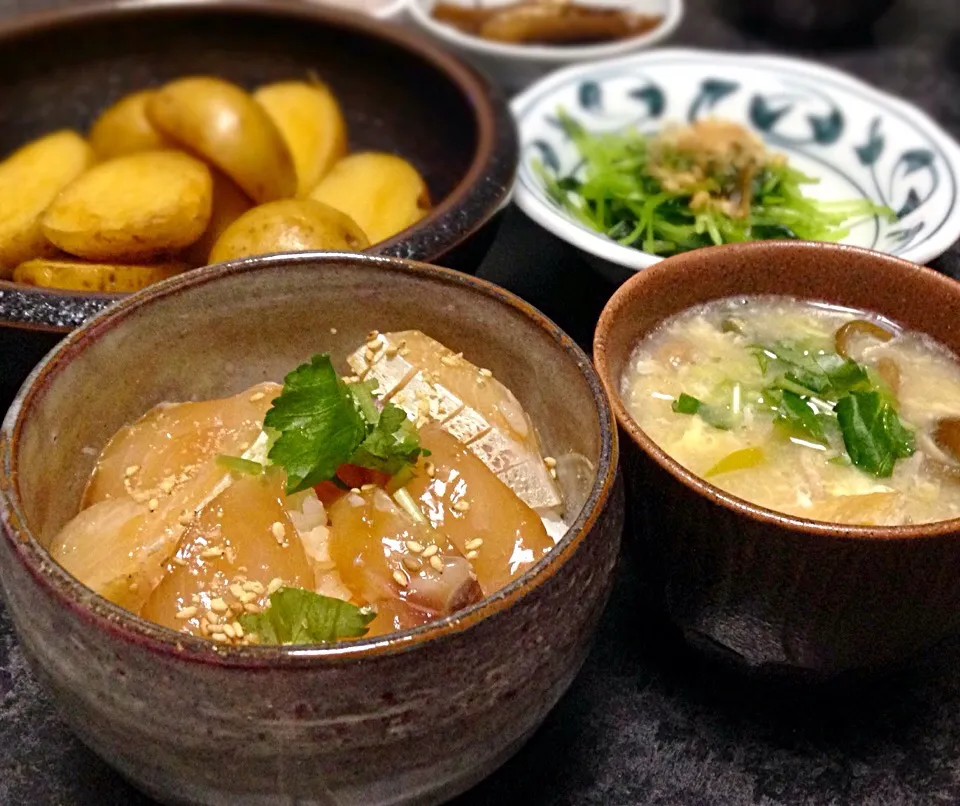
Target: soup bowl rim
{"type": "Point", "coordinates": [627, 296]}
{"type": "Point", "coordinates": [130, 628]}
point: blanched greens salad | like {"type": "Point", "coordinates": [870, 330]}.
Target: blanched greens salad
{"type": "Point", "coordinates": [707, 184]}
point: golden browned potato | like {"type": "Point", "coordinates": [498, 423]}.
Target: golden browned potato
{"type": "Point", "coordinates": [30, 180]}
{"type": "Point", "coordinates": [309, 118]}
{"type": "Point", "coordinates": [136, 207]}
{"type": "Point", "coordinates": [384, 194]}
{"type": "Point", "coordinates": [77, 275]}
{"type": "Point", "coordinates": [224, 125]}
{"type": "Point", "coordinates": [124, 128]}
{"type": "Point", "coordinates": [292, 225]}
{"type": "Point", "coordinates": [229, 203]}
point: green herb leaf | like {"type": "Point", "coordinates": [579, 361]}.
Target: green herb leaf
{"type": "Point", "coordinates": [844, 374]}
{"type": "Point", "coordinates": [239, 465]}
{"type": "Point", "coordinates": [795, 413]}
{"type": "Point", "coordinates": [392, 444]}
{"type": "Point", "coordinates": [319, 422]}
{"type": "Point", "coordinates": [297, 616]}
{"type": "Point", "coordinates": [324, 423]}
{"type": "Point", "coordinates": [872, 432]}
{"type": "Point", "coordinates": [686, 404]}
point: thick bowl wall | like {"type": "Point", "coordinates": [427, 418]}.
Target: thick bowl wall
{"type": "Point", "coordinates": [410, 718]}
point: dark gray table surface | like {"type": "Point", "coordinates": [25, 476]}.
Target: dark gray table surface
{"type": "Point", "coordinates": [647, 722]}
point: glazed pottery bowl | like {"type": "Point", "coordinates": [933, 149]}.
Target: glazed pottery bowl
{"type": "Point", "coordinates": [767, 590]}
{"type": "Point", "coordinates": [515, 66]}
{"type": "Point", "coordinates": [854, 140]}
{"type": "Point", "coordinates": [412, 717]}
{"type": "Point", "coordinates": [399, 92]}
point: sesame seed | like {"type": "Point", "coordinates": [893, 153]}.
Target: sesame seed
{"type": "Point", "coordinates": [373, 344]}
{"type": "Point", "coordinates": [373, 334]}
{"type": "Point", "coordinates": [472, 555]}
{"type": "Point", "coordinates": [391, 351]}
{"type": "Point", "coordinates": [185, 613]}
{"type": "Point", "coordinates": [279, 531]}
{"type": "Point", "coordinates": [218, 605]}
{"type": "Point", "coordinates": [178, 560]}
{"type": "Point", "coordinates": [400, 578]}
{"type": "Point", "coordinates": [367, 487]}
{"type": "Point", "coordinates": [412, 564]}
{"type": "Point", "coordinates": [430, 468]}
{"type": "Point", "coordinates": [247, 596]}
{"type": "Point", "coordinates": [212, 617]}
{"type": "Point", "coordinates": [368, 355]}
{"type": "Point", "coordinates": [414, 546]}
{"type": "Point", "coordinates": [250, 607]}
{"type": "Point", "coordinates": [167, 485]}
{"type": "Point", "coordinates": [212, 553]}
{"type": "Point", "coordinates": [236, 590]}
{"type": "Point", "coordinates": [549, 461]}
{"type": "Point", "coordinates": [220, 638]}
{"type": "Point", "coordinates": [205, 628]}
{"type": "Point", "coordinates": [253, 586]}
{"type": "Point", "coordinates": [461, 506]}
{"type": "Point", "coordinates": [229, 631]}
{"type": "Point", "coordinates": [275, 584]}
{"type": "Point", "coordinates": [153, 504]}
{"type": "Point", "coordinates": [238, 629]}
{"type": "Point", "coordinates": [186, 518]}
{"type": "Point", "coordinates": [231, 553]}
{"type": "Point", "coordinates": [256, 396]}
{"type": "Point", "coordinates": [472, 545]}
{"type": "Point", "coordinates": [553, 472]}
{"type": "Point", "coordinates": [486, 373]}
{"type": "Point", "coordinates": [429, 551]}
{"type": "Point", "coordinates": [436, 562]}
{"type": "Point", "coordinates": [355, 490]}
{"type": "Point", "coordinates": [448, 361]}
{"type": "Point", "coordinates": [131, 471]}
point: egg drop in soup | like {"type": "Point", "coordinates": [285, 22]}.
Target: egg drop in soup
{"type": "Point", "coordinates": [804, 408]}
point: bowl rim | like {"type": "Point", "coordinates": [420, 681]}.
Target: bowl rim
{"type": "Point", "coordinates": [533, 201]}
{"type": "Point", "coordinates": [127, 627]}
{"type": "Point", "coordinates": [486, 186]}
{"type": "Point", "coordinates": [547, 54]}
{"type": "Point", "coordinates": [627, 297]}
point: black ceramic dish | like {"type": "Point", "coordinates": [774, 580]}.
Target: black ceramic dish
{"type": "Point", "coordinates": [399, 93]}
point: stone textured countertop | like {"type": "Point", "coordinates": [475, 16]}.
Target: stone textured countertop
{"type": "Point", "coordinates": [647, 722]}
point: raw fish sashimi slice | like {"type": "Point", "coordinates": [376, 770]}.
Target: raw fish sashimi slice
{"type": "Point", "coordinates": [483, 518]}
{"type": "Point", "coordinates": [242, 541]}
{"type": "Point", "coordinates": [410, 572]}
{"type": "Point", "coordinates": [432, 383]}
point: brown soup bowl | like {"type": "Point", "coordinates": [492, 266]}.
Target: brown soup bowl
{"type": "Point", "coordinates": [399, 93]}
{"type": "Point", "coordinates": [776, 593]}
{"type": "Point", "coordinates": [409, 718]}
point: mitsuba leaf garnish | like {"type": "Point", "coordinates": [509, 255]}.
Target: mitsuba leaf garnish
{"type": "Point", "coordinates": [872, 432]}
{"type": "Point", "coordinates": [322, 423]}
{"type": "Point", "coordinates": [297, 616]}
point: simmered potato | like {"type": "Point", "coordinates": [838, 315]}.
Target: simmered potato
{"type": "Point", "coordinates": [30, 180]}
{"type": "Point", "coordinates": [124, 128]}
{"type": "Point", "coordinates": [309, 118]}
{"type": "Point", "coordinates": [135, 207]}
{"type": "Point", "coordinates": [229, 203]}
{"type": "Point", "coordinates": [224, 125]}
{"type": "Point", "coordinates": [384, 194]}
{"type": "Point", "coordinates": [76, 275]}
{"type": "Point", "coordinates": [293, 225]}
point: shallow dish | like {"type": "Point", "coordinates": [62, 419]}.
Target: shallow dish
{"type": "Point", "coordinates": [400, 93]}
{"type": "Point", "coordinates": [769, 590]}
{"type": "Point", "coordinates": [516, 66]}
{"type": "Point", "coordinates": [412, 717]}
{"type": "Point", "coordinates": [858, 141]}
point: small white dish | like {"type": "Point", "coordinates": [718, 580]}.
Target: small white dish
{"type": "Point", "coordinates": [381, 9]}
{"type": "Point", "coordinates": [858, 141]}
{"type": "Point", "coordinates": [514, 67]}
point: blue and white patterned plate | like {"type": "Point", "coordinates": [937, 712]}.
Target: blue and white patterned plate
{"type": "Point", "coordinates": [858, 141]}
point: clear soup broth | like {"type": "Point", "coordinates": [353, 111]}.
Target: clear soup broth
{"type": "Point", "coordinates": [804, 408]}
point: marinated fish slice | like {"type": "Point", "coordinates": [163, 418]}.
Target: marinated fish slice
{"type": "Point", "coordinates": [500, 535]}
{"type": "Point", "coordinates": [384, 556]}
{"type": "Point", "coordinates": [240, 543]}
{"type": "Point", "coordinates": [167, 446]}
{"type": "Point", "coordinates": [491, 420]}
